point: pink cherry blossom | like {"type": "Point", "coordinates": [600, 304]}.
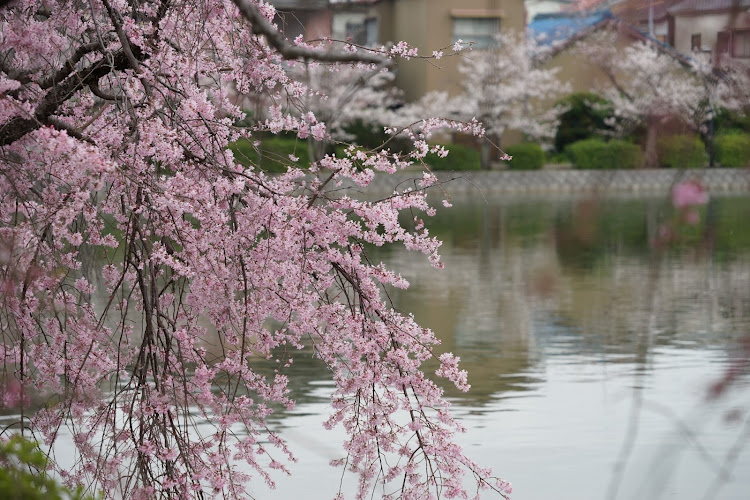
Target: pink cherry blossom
{"type": "Point", "coordinates": [689, 194]}
{"type": "Point", "coordinates": [147, 273]}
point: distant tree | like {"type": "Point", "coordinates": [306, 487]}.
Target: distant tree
{"type": "Point", "coordinates": [504, 89]}
{"type": "Point", "coordinates": [344, 97]}
{"type": "Point", "coordinates": [585, 116]}
{"type": "Point", "coordinates": [650, 84]}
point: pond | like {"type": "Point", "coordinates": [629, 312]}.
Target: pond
{"type": "Point", "coordinates": [602, 365]}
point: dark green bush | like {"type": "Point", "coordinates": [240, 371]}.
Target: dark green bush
{"type": "Point", "coordinates": [367, 135]}
{"type": "Point", "coordinates": [727, 121]}
{"type": "Point", "coordinates": [682, 151]}
{"type": "Point", "coordinates": [273, 153]}
{"type": "Point", "coordinates": [585, 117]}
{"type": "Point", "coordinates": [526, 156]}
{"type": "Point", "coordinates": [597, 154]}
{"type": "Point", "coordinates": [732, 149]}
{"type": "Point", "coordinates": [557, 157]}
{"type": "Point", "coordinates": [459, 158]}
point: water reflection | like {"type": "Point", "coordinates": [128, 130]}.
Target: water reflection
{"type": "Point", "coordinates": [592, 351]}
{"type": "Point", "coordinates": [591, 354]}
{"type": "Point", "coordinates": [575, 277]}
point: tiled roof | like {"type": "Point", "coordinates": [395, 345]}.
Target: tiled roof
{"type": "Point", "coordinates": [708, 6]}
{"type": "Point", "coordinates": [635, 11]}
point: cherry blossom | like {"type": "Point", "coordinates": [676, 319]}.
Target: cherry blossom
{"type": "Point", "coordinates": [146, 274]}
{"type": "Point", "coordinates": [650, 84]}
{"type": "Point", "coordinates": [504, 88]}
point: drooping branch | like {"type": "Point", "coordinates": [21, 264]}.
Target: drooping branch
{"type": "Point", "coordinates": [261, 26]}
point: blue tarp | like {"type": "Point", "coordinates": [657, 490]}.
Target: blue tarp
{"type": "Point", "coordinates": [554, 29]}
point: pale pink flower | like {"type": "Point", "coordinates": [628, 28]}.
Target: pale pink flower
{"type": "Point", "coordinates": [689, 194]}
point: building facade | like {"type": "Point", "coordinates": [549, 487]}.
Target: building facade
{"type": "Point", "coordinates": [429, 25]}
{"type": "Point", "coordinates": [718, 27]}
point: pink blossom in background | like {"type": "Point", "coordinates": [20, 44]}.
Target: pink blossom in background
{"type": "Point", "coordinates": [13, 394]}
{"type": "Point", "coordinates": [692, 217]}
{"type": "Point", "coordinates": [689, 194]}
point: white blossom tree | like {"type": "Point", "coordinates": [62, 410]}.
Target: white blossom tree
{"type": "Point", "coordinates": [342, 96]}
{"type": "Point", "coordinates": [505, 89]}
{"type": "Point", "coordinates": [650, 83]}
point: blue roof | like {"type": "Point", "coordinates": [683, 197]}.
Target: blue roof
{"type": "Point", "coordinates": [554, 29]}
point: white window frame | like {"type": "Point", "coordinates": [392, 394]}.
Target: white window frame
{"type": "Point", "coordinates": [482, 31]}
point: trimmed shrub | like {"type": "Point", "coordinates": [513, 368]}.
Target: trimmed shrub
{"type": "Point", "coordinates": [732, 149]}
{"type": "Point", "coordinates": [597, 154]}
{"type": "Point", "coordinates": [588, 154]}
{"type": "Point", "coordinates": [526, 156]}
{"type": "Point", "coordinates": [625, 154]}
{"type": "Point", "coordinates": [585, 118]}
{"type": "Point", "coordinates": [459, 158]}
{"type": "Point", "coordinates": [682, 151]}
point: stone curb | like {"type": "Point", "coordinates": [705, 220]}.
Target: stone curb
{"type": "Point", "coordinates": [564, 181]}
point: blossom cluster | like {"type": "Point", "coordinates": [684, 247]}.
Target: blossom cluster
{"type": "Point", "coordinates": [146, 273]}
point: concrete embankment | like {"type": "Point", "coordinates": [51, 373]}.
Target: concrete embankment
{"type": "Point", "coordinates": [717, 180]}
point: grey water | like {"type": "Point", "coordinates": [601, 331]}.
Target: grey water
{"type": "Point", "coordinates": [605, 363]}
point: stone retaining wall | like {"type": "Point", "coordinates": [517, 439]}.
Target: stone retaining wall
{"type": "Point", "coordinates": [563, 181]}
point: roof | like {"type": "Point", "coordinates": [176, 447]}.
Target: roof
{"type": "Point", "coordinates": [299, 4]}
{"type": "Point", "coordinates": [690, 6]}
{"type": "Point", "coordinates": [555, 29]}
{"type": "Point", "coordinates": [639, 11]}
{"type": "Point", "coordinates": [563, 30]}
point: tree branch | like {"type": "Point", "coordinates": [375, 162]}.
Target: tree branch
{"type": "Point", "coordinates": [261, 26]}
{"type": "Point", "coordinates": [17, 127]}
{"type": "Point", "coordinates": [69, 65]}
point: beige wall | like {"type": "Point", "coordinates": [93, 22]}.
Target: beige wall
{"type": "Point", "coordinates": [578, 71]}
{"type": "Point", "coordinates": [427, 25]}
{"type": "Point", "coordinates": [708, 25]}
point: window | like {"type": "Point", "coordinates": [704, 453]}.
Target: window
{"type": "Point", "coordinates": [741, 43]}
{"type": "Point", "coordinates": [356, 27]}
{"type": "Point", "coordinates": [722, 42]}
{"type": "Point", "coordinates": [695, 42]}
{"type": "Point", "coordinates": [480, 30]}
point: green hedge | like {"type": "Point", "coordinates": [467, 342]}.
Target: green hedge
{"type": "Point", "coordinates": [273, 153]}
{"type": "Point", "coordinates": [526, 156]}
{"type": "Point", "coordinates": [459, 158]}
{"type": "Point", "coordinates": [732, 149]}
{"type": "Point", "coordinates": [597, 154]}
{"type": "Point", "coordinates": [682, 151]}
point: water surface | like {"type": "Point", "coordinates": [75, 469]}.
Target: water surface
{"type": "Point", "coordinates": [595, 354]}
